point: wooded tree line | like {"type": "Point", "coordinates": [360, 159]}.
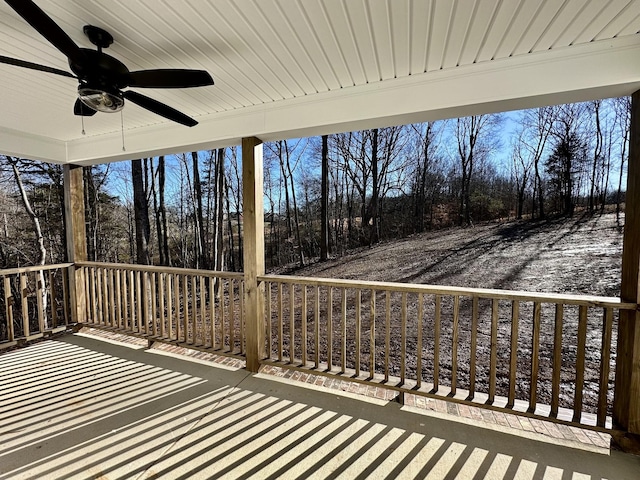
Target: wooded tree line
{"type": "Point", "coordinates": [326, 195]}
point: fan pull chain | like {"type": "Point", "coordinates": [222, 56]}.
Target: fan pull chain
{"type": "Point", "coordinates": [82, 121]}
{"type": "Point", "coordinates": [122, 126]}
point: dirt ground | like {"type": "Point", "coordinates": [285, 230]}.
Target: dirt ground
{"type": "Point", "coordinates": [581, 255]}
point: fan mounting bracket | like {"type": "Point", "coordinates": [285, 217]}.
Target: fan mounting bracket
{"type": "Point", "coordinates": [99, 37]}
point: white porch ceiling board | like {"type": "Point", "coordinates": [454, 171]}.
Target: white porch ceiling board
{"type": "Point", "coordinates": [438, 33]}
{"type": "Point", "coordinates": [562, 23]}
{"type": "Point", "coordinates": [457, 36]}
{"type": "Point", "coordinates": [519, 27]}
{"type": "Point", "coordinates": [583, 22]}
{"type": "Point", "coordinates": [358, 17]}
{"type": "Point", "coordinates": [383, 37]}
{"type": "Point", "coordinates": [601, 20]}
{"type": "Point", "coordinates": [626, 17]}
{"type": "Point", "coordinates": [401, 37]}
{"type": "Point", "coordinates": [341, 29]}
{"type": "Point", "coordinates": [287, 51]}
{"type": "Point", "coordinates": [420, 20]}
{"type": "Point", "coordinates": [331, 57]}
{"type": "Point", "coordinates": [499, 27]}
{"type": "Point", "coordinates": [279, 64]}
{"type": "Point", "coordinates": [485, 11]}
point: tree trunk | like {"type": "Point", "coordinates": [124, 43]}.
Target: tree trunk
{"type": "Point", "coordinates": [163, 209]}
{"type": "Point", "coordinates": [141, 213]}
{"type": "Point", "coordinates": [324, 202]}
{"type": "Point", "coordinates": [42, 257]}
{"type": "Point", "coordinates": [200, 253]}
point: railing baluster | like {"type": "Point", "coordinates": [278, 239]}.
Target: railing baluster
{"type": "Point", "coordinates": [40, 289]}
{"type": "Point", "coordinates": [187, 310]}
{"type": "Point", "coordinates": [170, 286]}
{"type": "Point", "coordinates": [162, 317]}
{"type": "Point", "coordinates": [358, 330]}
{"type": "Point", "coordinates": [221, 312]}
{"type": "Point", "coordinates": [557, 360]}
{"type": "Point", "coordinates": [95, 311]}
{"type": "Point", "coordinates": [316, 316]}
{"type": "Point", "coordinates": [605, 362]}
{"type": "Point", "coordinates": [154, 303]}
{"type": "Point", "coordinates": [118, 299]}
{"type": "Point", "coordinates": [580, 358]}
{"type": "Point", "coordinates": [139, 297]}
{"type": "Point", "coordinates": [98, 300]}
{"type": "Point", "coordinates": [436, 343]}
{"type": "Point", "coordinates": [454, 344]}
{"type": "Point", "coordinates": [203, 311]}
{"type": "Point", "coordinates": [132, 301]}
{"type": "Point", "coordinates": [280, 323]}
{"type": "Point", "coordinates": [241, 315]}
{"type": "Point", "coordinates": [474, 346]}
{"type": "Point", "coordinates": [343, 330]}
{"type": "Point", "coordinates": [419, 342]}
{"type": "Point", "coordinates": [303, 333]}
{"type": "Point", "coordinates": [387, 332]}
{"type": "Point", "coordinates": [112, 299]}
{"type": "Point", "coordinates": [292, 322]}
{"type": "Point", "coordinates": [493, 363]}
{"type": "Point", "coordinates": [267, 289]}
{"type": "Point", "coordinates": [104, 297]}
{"type": "Point", "coordinates": [179, 308]}
{"type": "Point", "coordinates": [213, 281]}
{"type": "Point", "coordinates": [65, 295]}
{"type": "Point", "coordinates": [535, 357]}
{"type": "Point", "coordinates": [194, 310]}
{"type": "Point", "coordinates": [372, 336]}
{"type": "Point", "coordinates": [25, 305]}
{"type": "Point", "coordinates": [8, 306]}
{"type": "Point", "coordinates": [513, 353]}
{"type": "Point", "coordinates": [403, 339]}
{"type": "Point", "coordinates": [232, 316]}
{"type": "Point", "coordinates": [329, 328]}
{"type": "Point", "coordinates": [53, 291]}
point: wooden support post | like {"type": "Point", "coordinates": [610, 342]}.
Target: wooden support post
{"type": "Point", "coordinates": [626, 405]}
{"type": "Point", "coordinates": [76, 239]}
{"type": "Point", "coordinates": [253, 223]}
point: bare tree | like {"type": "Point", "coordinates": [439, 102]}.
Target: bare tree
{"type": "Point", "coordinates": [475, 141]}
{"type": "Point", "coordinates": [141, 213]}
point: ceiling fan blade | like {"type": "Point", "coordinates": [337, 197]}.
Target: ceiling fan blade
{"type": "Point", "coordinates": [169, 78]}
{"type": "Point", "coordinates": [49, 29]}
{"type": "Point", "coordinates": [159, 108]}
{"type": "Point", "coordinates": [82, 110]}
{"type": "Point", "coordinates": [34, 66]}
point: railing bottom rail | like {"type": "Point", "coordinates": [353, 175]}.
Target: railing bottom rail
{"type": "Point", "coordinates": [565, 416]}
{"type": "Point", "coordinates": [178, 343]}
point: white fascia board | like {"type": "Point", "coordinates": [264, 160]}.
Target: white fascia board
{"type": "Point", "coordinates": [578, 73]}
{"type": "Point", "coordinates": [33, 147]}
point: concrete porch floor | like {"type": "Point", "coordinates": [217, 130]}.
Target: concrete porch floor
{"type": "Point", "coordinates": [81, 407]}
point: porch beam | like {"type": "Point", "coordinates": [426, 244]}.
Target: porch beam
{"type": "Point", "coordinates": [626, 408]}
{"type": "Point", "coordinates": [253, 226]}
{"type": "Point", "coordinates": [76, 239]}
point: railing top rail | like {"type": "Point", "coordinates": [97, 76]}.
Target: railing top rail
{"type": "Point", "coordinates": [558, 298]}
{"type": "Point", "coordinates": [34, 268]}
{"type": "Point", "coordinates": [161, 269]}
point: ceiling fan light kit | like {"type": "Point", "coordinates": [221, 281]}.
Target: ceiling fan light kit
{"type": "Point", "coordinates": [101, 100]}
{"type": "Point", "coordinates": [102, 77]}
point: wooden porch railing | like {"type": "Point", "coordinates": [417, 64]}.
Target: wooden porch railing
{"type": "Point", "coordinates": [542, 355]}
{"type": "Point", "coordinates": [33, 301]}
{"type": "Point", "coordinates": [196, 308]}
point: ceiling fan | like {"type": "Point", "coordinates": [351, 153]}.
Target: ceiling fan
{"type": "Point", "coordinates": [101, 77]}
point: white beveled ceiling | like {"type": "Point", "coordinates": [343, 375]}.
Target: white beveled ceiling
{"type": "Point", "coordinates": [286, 68]}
